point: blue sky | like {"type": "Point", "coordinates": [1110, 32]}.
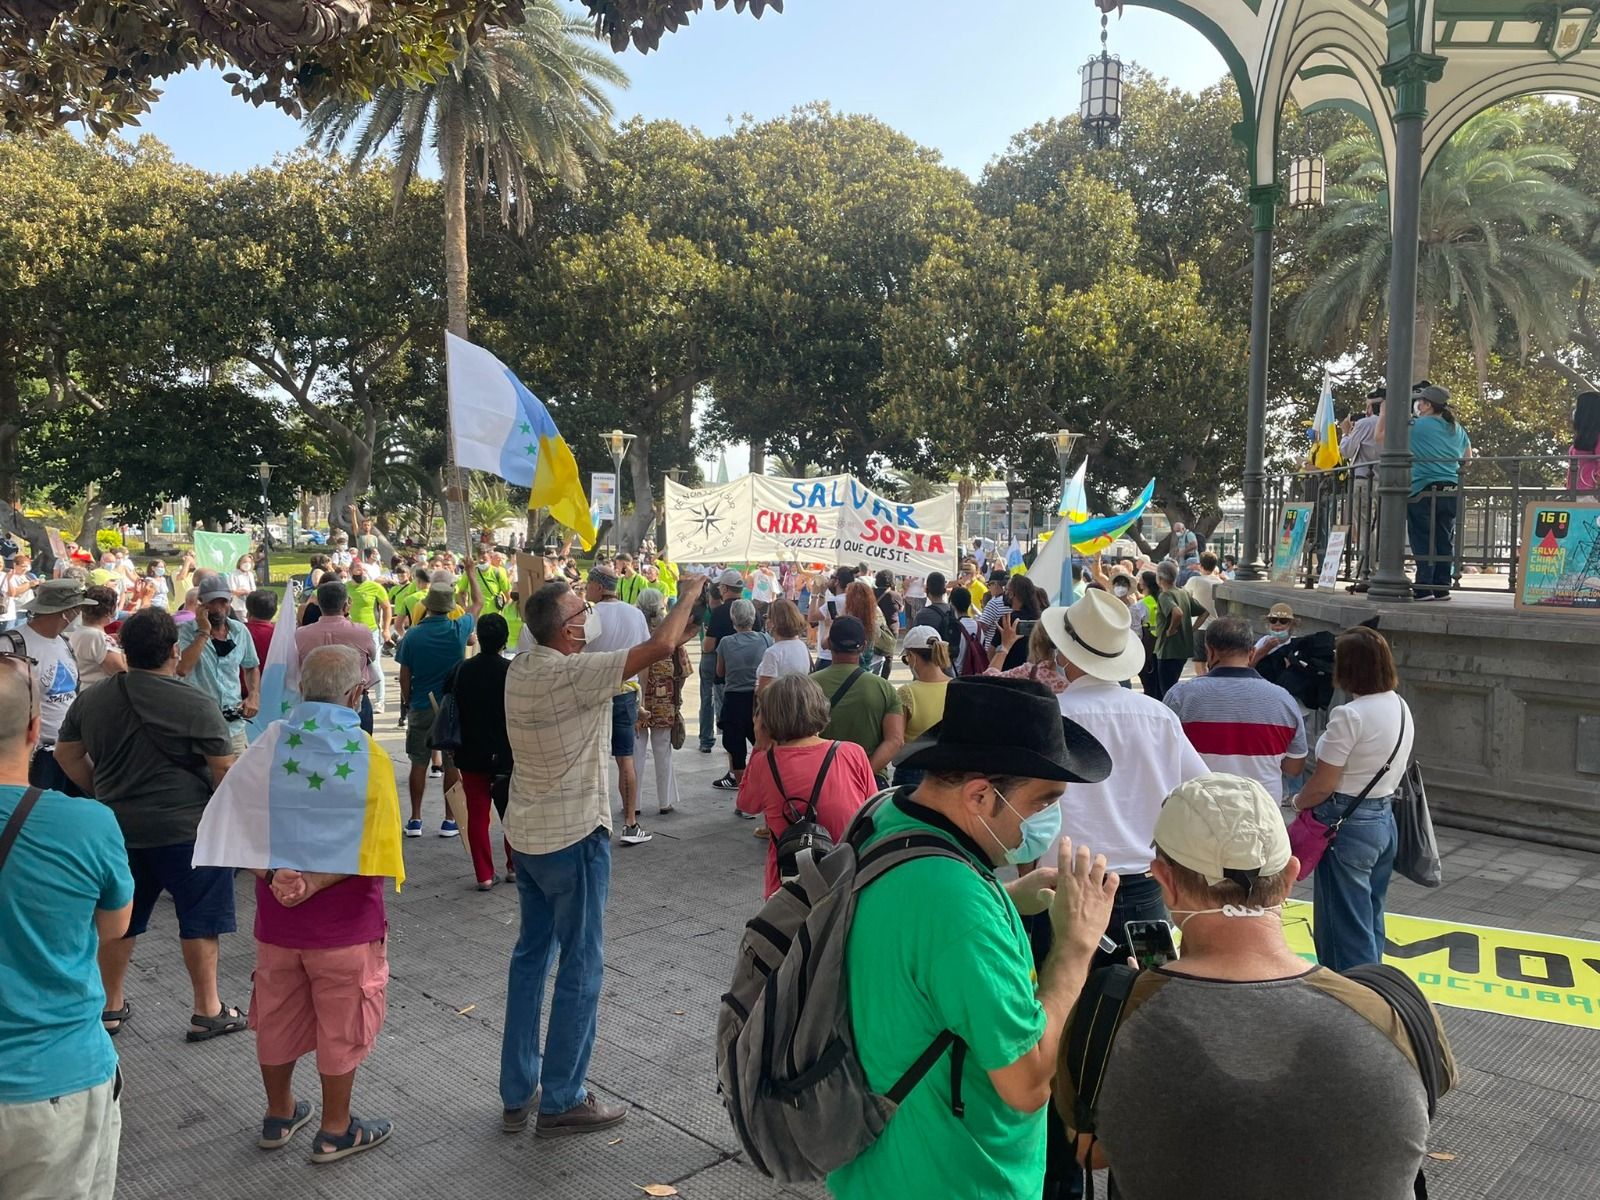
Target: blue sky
{"type": "Point", "coordinates": [958, 75]}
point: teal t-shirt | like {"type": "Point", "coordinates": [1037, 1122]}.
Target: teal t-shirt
{"type": "Point", "coordinates": [937, 945]}
{"type": "Point", "coordinates": [67, 861]}
{"type": "Point", "coordinates": [1435, 438]}
{"type": "Point", "coordinates": [431, 648]}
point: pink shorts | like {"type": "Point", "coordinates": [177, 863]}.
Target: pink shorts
{"type": "Point", "coordinates": [331, 1001]}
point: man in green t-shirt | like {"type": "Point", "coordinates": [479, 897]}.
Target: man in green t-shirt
{"type": "Point", "coordinates": [629, 582]}
{"type": "Point", "coordinates": [939, 944]}
{"type": "Point", "coordinates": [369, 606]}
{"type": "Point", "coordinates": [1176, 613]}
{"type": "Point", "coordinates": [866, 710]}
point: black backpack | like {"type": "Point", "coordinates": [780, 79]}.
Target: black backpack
{"type": "Point", "coordinates": [942, 617]}
{"type": "Point", "coordinates": [1087, 1047]}
{"type": "Point", "coordinates": [804, 831]}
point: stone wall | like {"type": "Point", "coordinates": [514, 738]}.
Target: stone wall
{"type": "Point", "coordinates": [1507, 704]}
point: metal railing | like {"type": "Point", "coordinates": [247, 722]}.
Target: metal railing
{"type": "Point", "coordinates": [1485, 507]}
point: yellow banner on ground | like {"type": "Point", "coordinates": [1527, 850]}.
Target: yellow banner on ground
{"type": "Point", "coordinates": [1507, 971]}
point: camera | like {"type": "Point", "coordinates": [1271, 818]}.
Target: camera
{"type": "Point", "coordinates": [233, 713]}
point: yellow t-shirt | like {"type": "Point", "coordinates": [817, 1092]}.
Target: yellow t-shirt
{"type": "Point", "coordinates": [923, 704]}
{"type": "Point", "coordinates": [980, 593]}
{"type": "Point", "coordinates": [418, 612]}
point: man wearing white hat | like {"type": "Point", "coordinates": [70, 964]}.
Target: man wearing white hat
{"type": "Point", "coordinates": [1096, 650]}
{"type": "Point", "coordinates": [1279, 1046]}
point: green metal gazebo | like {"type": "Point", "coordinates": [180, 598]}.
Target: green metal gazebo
{"type": "Point", "coordinates": [1415, 71]}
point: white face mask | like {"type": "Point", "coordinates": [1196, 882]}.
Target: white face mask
{"type": "Point", "coordinates": [1119, 590]}
{"type": "Point", "coordinates": [591, 628]}
{"type": "Point", "coordinates": [1230, 910]}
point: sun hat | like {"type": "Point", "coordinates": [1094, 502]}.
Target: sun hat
{"type": "Point", "coordinates": [1224, 827]}
{"type": "Point", "coordinates": [730, 578]}
{"type": "Point", "coordinates": [1280, 610]}
{"type": "Point", "coordinates": [439, 598]}
{"type": "Point", "coordinates": [55, 596]}
{"type": "Point", "coordinates": [920, 637]}
{"type": "Point", "coordinates": [1094, 636]}
{"type": "Point", "coordinates": [215, 587]}
{"type": "Point", "coordinates": [847, 635]}
{"type": "Point", "coordinates": [998, 726]}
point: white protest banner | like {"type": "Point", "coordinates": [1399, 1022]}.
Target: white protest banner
{"type": "Point", "coordinates": [833, 519]}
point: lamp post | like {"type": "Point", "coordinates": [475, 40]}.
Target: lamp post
{"type": "Point", "coordinates": [264, 470]}
{"type": "Point", "coordinates": [1064, 440]}
{"type": "Point", "coordinates": [617, 444]}
{"type": "Point", "coordinates": [1100, 104]}
{"type": "Point", "coordinates": [1307, 173]}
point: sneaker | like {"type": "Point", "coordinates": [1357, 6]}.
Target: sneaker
{"type": "Point", "coordinates": [726, 783]}
{"type": "Point", "coordinates": [632, 835]}
{"type": "Point", "coordinates": [510, 877]}
{"type": "Point", "coordinates": [706, 749]}
{"type": "Point", "coordinates": [434, 772]}
{"type": "Point", "coordinates": [449, 829]}
{"type": "Point", "coordinates": [377, 710]}
{"type": "Point", "coordinates": [744, 816]}
{"type": "Point", "coordinates": [587, 1116]}
{"type": "Point", "coordinates": [413, 828]}
{"type": "Point", "coordinates": [763, 833]}
{"type": "Point", "coordinates": [667, 809]}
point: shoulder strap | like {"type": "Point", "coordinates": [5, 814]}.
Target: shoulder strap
{"type": "Point", "coordinates": [1086, 1043]}
{"type": "Point", "coordinates": [892, 851]}
{"type": "Point", "coordinates": [846, 686]}
{"type": "Point", "coordinates": [822, 774]}
{"type": "Point", "coordinates": [1415, 1014]}
{"type": "Point", "coordinates": [1382, 771]}
{"type": "Point", "coordinates": [14, 824]}
{"type": "Point", "coordinates": [138, 718]}
{"type": "Point", "coordinates": [772, 763]}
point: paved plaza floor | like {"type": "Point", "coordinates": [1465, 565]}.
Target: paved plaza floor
{"type": "Point", "coordinates": [1524, 1123]}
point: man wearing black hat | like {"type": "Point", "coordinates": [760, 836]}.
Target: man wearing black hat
{"type": "Point", "coordinates": [939, 945]}
{"type": "Point", "coordinates": [865, 709]}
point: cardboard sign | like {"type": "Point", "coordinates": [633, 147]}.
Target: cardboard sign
{"type": "Point", "coordinates": [1558, 569]}
{"type": "Point", "coordinates": [1290, 543]}
{"type": "Point", "coordinates": [530, 575]}
{"type": "Point", "coordinates": [1329, 579]}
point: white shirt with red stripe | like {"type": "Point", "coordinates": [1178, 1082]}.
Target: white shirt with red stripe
{"type": "Point", "coordinates": [1240, 724]}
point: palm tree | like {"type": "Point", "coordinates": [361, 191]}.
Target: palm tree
{"type": "Point", "coordinates": [1492, 255]}
{"type": "Point", "coordinates": [520, 103]}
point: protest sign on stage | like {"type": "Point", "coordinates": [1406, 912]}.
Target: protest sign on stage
{"type": "Point", "coordinates": [835, 519]}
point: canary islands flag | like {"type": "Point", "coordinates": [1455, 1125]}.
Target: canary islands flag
{"type": "Point", "coordinates": [313, 793]}
{"type": "Point", "coordinates": [501, 427]}
{"type": "Point", "coordinates": [1325, 430]}
{"type": "Point", "coordinates": [280, 673]}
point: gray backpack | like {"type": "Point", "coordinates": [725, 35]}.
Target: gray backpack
{"type": "Point", "coordinates": [787, 1067]}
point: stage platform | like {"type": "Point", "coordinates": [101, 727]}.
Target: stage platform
{"type": "Point", "coordinates": [1507, 704]}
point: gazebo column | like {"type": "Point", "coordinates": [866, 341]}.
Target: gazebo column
{"type": "Point", "coordinates": [1409, 76]}
{"type": "Point", "coordinates": [1263, 211]}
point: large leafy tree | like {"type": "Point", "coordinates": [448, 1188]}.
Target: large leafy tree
{"type": "Point", "coordinates": [98, 63]}
{"type": "Point", "coordinates": [642, 22]}
{"type": "Point", "coordinates": [1494, 217]}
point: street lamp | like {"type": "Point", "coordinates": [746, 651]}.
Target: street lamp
{"type": "Point", "coordinates": [1064, 440]}
{"type": "Point", "coordinates": [1100, 105]}
{"type": "Point", "coordinates": [1307, 173]}
{"type": "Point", "coordinates": [617, 443]}
{"type": "Point", "coordinates": [264, 470]}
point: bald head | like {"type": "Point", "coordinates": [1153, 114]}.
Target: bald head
{"type": "Point", "coordinates": [19, 707]}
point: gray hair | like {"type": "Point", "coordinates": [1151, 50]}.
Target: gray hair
{"type": "Point", "coordinates": [330, 673]}
{"type": "Point", "coordinates": [1229, 635]}
{"type": "Point", "coordinates": [15, 709]}
{"type": "Point", "coordinates": [792, 707]}
{"type": "Point", "coordinates": [743, 614]}
{"type": "Point", "coordinates": [542, 613]}
{"type": "Point", "coordinates": [1167, 572]}
{"type": "Point", "coordinates": [653, 604]}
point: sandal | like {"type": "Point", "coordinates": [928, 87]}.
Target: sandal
{"type": "Point", "coordinates": [120, 1015]}
{"type": "Point", "coordinates": [228, 1020]}
{"type": "Point", "coordinates": [362, 1135]}
{"type": "Point", "coordinates": [276, 1131]}
{"type": "Point", "coordinates": [763, 832]}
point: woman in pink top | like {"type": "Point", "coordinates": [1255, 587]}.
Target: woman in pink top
{"type": "Point", "coordinates": [1583, 457]}
{"type": "Point", "coordinates": [1041, 665]}
{"type": "Point", "coordinates": [790, 712]}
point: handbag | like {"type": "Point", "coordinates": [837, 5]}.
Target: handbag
{"type": "Point", "coordinates": [446, 734]}
{"type": "Point", "coordinates": [883, 639]}
{"type": "Point", "coordinates": [679, 733]}
{"type": "Point", "coordinates": [1417, 853]}
{"type": "Point", "coordinates": [1309, 838]}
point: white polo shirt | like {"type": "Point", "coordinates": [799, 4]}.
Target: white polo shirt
{"type": "Point", "coordinates": [1149, 757]}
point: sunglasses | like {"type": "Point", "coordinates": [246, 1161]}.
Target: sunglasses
{"type": "Point", "coordinates": [1277, 620]}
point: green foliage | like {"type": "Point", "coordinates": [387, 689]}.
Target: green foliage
{"type": "Point", "coordinates": [107, 539]}
{"type": "Point", "coordinates": [642, 22]}
{"type": "Point", "coordinates": [84, 60]}
{"type": "Point", "coordinates": [1494, 254]}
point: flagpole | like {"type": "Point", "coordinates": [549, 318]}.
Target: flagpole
{"type": "Point", "coordinates": [455, 495]}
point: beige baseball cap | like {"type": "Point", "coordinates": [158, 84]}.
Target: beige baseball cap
{"type": "Point", "coordinates": [1224, 827]}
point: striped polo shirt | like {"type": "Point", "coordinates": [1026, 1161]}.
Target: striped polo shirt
{"type": "Point", "coordinates": [1240, 724]}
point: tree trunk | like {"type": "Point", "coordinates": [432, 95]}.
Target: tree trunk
{"type": "Point", "coordinates": [1422, 349]}
{"type": "Point", "coordinates": [453, 156]}
{"type": "Point", "coordinates": [94, 518]}
{"type": "Point", "coordinates": [631, 531]}
{"type": "Point", "coordinates": [758, 457]}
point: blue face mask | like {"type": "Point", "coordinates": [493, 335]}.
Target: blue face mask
{"type": "Point", "coordinates": [1038, 832]}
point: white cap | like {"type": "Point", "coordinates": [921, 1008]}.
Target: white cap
{"type": "Point", "coordinates": [920, 637]}
{"type": "Point", "coordinates": [1221, 826]}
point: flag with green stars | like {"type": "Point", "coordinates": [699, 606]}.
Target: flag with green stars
{"type": "Point", "coordinates": [313, 792]}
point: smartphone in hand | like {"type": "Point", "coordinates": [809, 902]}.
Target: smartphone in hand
{"type": "Point", "coordinates": [1151, 942]}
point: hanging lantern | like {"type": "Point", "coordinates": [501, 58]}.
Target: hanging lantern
{"type": "Point", "coordinates": [1100, 106]}
{"type": "Point", "coordinates": [1306, 172]}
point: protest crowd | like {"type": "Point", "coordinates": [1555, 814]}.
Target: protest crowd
{"type": "Point", "coordinates": [1016, 809]}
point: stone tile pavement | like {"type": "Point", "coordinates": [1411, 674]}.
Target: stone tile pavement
{"type": "Point", "coordinates": [1525, 1123]}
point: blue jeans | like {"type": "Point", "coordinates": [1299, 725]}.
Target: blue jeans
{"type": "Point", "coordinates": [710, 702]}
{"type": "Point", "coordinates": [1431, 526]}
{"type": "Point", "coordinates": [1351, 882]}
{"type": "Point", "coordinates": [563, 901]}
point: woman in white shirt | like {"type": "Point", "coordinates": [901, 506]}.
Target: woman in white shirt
{"type": "Point", "coordinates": [1366, 748]}
{"type": "Point", "coordinates": [241, 583]}
{"type": "Point", "coordinates": [788, 654]}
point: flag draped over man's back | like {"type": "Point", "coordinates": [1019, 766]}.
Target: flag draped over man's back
{"type": "Point", "coordinates": [501, 427]}
{"type": "Point", "coordinates": [313, 793]}
{"type": "Point", "coordinates": [1325, 430]}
